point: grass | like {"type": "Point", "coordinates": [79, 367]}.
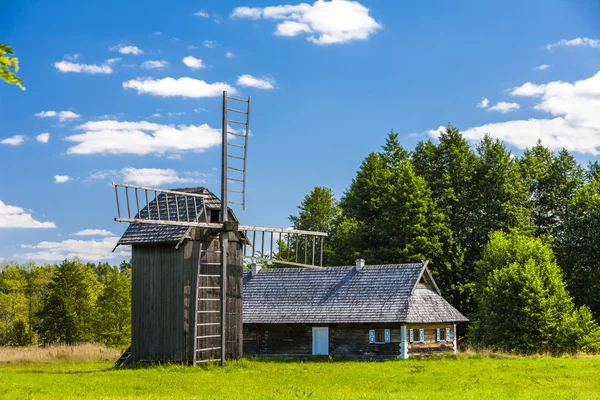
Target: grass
{"type": "Point", "coordinates": [465, 377]}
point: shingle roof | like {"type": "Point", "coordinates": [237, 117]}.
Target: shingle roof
{"type": "Point", "coordinates": [149, 233]}
{"type": "Point", "coordinates": [377, 293]}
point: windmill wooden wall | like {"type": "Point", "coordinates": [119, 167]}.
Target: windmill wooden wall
{"type": "Point", "coordinates": [164, 298]}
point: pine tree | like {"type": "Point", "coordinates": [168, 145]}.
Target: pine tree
{"type": "Point", "coordinates": [69, 308]}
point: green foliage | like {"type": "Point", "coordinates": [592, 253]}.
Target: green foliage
{"type": "Point", "coordinates": [69, 306]}
{"type": "Point", "coordinates": [524, 305]}
{"type": "Point", "coordinates": [113, 321]}
{"type": "Point", "coordinates": [317, 212]}
{"type": "Point", "coordinates": [9, 66]}
{"type": "Point", "coordinates": [13, 304]}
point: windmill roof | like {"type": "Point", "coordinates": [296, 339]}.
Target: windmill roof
{"type": "Point", "coordinates": [151, 233]}
{"type": "Point", "coordinates": [376, 293]}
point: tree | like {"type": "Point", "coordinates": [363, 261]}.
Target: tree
{"type": "Point", "coordinates": [13, 305]}
{"type": "Point", "coordinates": [38, 280]}
{"type": "Point", "coordinates": [68, 311]}
{"type": "Point", "coordinates": [579, 254]}
{"type": "Point", "coordinates": [9, 66]}
{"type": "Point", "coordinates": [317, 212]}
{"type": "Point", "coordinates": [388, 213]}
{"type": "Point", "coordinates": [523, 303]}
{"type": "Point", "coordinates": [113, 322]}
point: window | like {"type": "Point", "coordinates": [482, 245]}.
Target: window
{"type": "Point", "coordinates": [214, 215]}
{"type": "Point", "coordinates": [448, 337]}
{"type": "Point", "coordinates": [379, 336]}
{"type": "Point", "coordinates": [411, 336]}
{"type": "Point", "coordinates": [437, 334]}
{"type": "Point", "coordinates": [421, 335]}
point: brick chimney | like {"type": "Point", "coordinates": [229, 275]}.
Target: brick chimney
{"type": "Point", "coordinates": [360, 263]}
{"type": "Point", "coordinates": [255, 269]}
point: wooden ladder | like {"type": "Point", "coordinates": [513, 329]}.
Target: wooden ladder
{"type": "Point", "coordinates": [124, 357]}
{"type": "Point", "coordinates": [209, 327]}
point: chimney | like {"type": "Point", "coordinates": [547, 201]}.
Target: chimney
{"type": "Point", "coordinates": [360, 263]}
{"type": "Point", "coordinates": [255, 269]}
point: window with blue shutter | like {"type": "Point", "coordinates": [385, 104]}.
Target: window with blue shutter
{"type": "Point", "coordinates": [448, 337]}
{"type": "Point", "coordinates": [411, 336]}
{"type": "Point", "coordinates": [372, 336]}
{"type": "Point", "coordinates": [437, 334]}
{"type": "Point", "coordinates": [421, 335]}
{"type": "Point", "coordinates": [388, 336]}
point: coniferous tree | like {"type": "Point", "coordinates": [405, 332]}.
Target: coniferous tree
{"type": "Point", "coordinates": [69, 308]}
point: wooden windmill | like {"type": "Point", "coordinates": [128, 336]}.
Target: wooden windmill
{"type": "Point", "coordinates": [187, 253]}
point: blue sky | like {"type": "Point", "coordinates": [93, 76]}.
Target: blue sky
{"type": "Point", "coordinates": [129, 91]}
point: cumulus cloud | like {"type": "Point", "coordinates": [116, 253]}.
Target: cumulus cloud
{"type": "Point", "coordinates": [113, 60]}
{"type": "Point", "coordinates": [229, 54]}
{"type": "Point", "coordinates": [61, 115]}
{"type": "Point", "coordinates": [325, 22]}
{"type": "Point", "coordinates": [93, 232]}
{"type": "Point", "coordinates": [579, 42]}
{"type": "Point", "coordinates": [149, 176]}
{"type": "Point", "coordinates": [202, 14]}
{"type": "Point", "coordinates": [62, 178]}
{"type": "Point", "coordinates": [136, 51]}
{"type": "Point", "coordinates": [152, 64]}
{"type": "Point", "coordinates": [542, 67]}
{"type": "Point", "coordinates": [484, 103]}
{"type": "Point", "coordinates": [211, 44]}
{"type": "Point", "coordinates": [260, 83]}
{"type": "Point", "coordinates": [16, 140]}
{"type": "Point", "coordinates": [67, 66]}
{"type": "Point", "coordinates": [504, 107]}
{"type": "Point", "coordinates": [86, 250]}
{"type": "Point", "coordinates": [184, 87]}
{"type": "Point", "coordinates": [43, 137]}
{"type": "Point", "coordinates": [573, 120]}
{"type": "Point", "coordinates": [193, 62]}
{"type": "Point", "coordinates": [143, 137]}
{"type": "Point", "coordinates": [17, 217]}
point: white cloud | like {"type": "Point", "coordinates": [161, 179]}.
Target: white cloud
{"type": "Point", "coordinates": [157, 33]}
{"type": "Point", "coordinates": [151, 64]}
{"type": "Point", "coordinates": [86, 250]}
{"type": "Point", "coordinates": [326, 22]}
{"type": "Point", "coordinates": [16, 140]}
{"type": "Point", "coordinates": [198, 110]}
{"type": "Point", "coordinates": [113, 60]}
{"type": "Point", "coordinates": [136, 51]}
{"type": "Point", "coordinates": [484, 103]}
{"type": "Point", "coordinates": [542, 67]}
{"type": "Point", "coordinates": [158, 177]}
{"type": "Point", "coordinates": [504, 107]}
{"type": "Point", "coordinates": [193, 62]}
{"type": "Point", "coordinates": [191, 46]}
{"type": "Point", "coordinates": [260, 83]}
{"type": "Point", "coordinates": [43, 137]}
{"type": "Point", "coordinates": [62, 178]}
{"type": "Point", "coordinates": [202, 14]}
{"type": "Point", "coordinates": [573, 122]}
{"type": "Point", "coordinates": [211, 44]}
{"type": "Point", "coordinates": [176, 114]}
{"type": "Point", "coordinates": [16, 217]}
{"type": "Point", "coordinates": [71, 57]}
{"type": "Point", "coordinates": [67, 66]}
{"type": "Point", "coordinates": [93, 232]}
{"type": "Point", "coordinates": [229, 54]}
{"type": "Point", "coordinates": [62, 115]}
{"type": "Point", "coordinates": [593, 43]}
{"type": "Point", "coordinates": [185, 87]}
{"type": "Point", "coordinates": [121, 137]}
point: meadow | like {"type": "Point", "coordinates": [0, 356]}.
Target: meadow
{"type": "Point", "coordinates": [87, 373]}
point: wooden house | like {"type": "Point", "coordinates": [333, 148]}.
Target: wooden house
{"type": "Point", "coordinates": [176, 282]}
{"type": "Point", "coordinates": [372, 311]}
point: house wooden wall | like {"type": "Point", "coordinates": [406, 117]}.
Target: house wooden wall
{"type": "Point", "coordinates": [350, 340]}
{"type": "Point", "coordinates": [430, 345]}
{"type": "Point", "coordinates": [164, 294]}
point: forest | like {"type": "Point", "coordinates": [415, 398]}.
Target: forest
{"type": "Point", "coordinates": [512, 242]}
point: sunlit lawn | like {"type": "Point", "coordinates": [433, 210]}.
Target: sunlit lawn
{"type": "Point", "coordinates": [442, 378]}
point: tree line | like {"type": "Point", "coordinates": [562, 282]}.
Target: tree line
{"type": "Point", "coordinates": [72, 302]}
{"type": "Point", "coordinates": [513, 242]}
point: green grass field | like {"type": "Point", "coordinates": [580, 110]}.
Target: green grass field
{"type": "Point", "coordinates": [442, 378]}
